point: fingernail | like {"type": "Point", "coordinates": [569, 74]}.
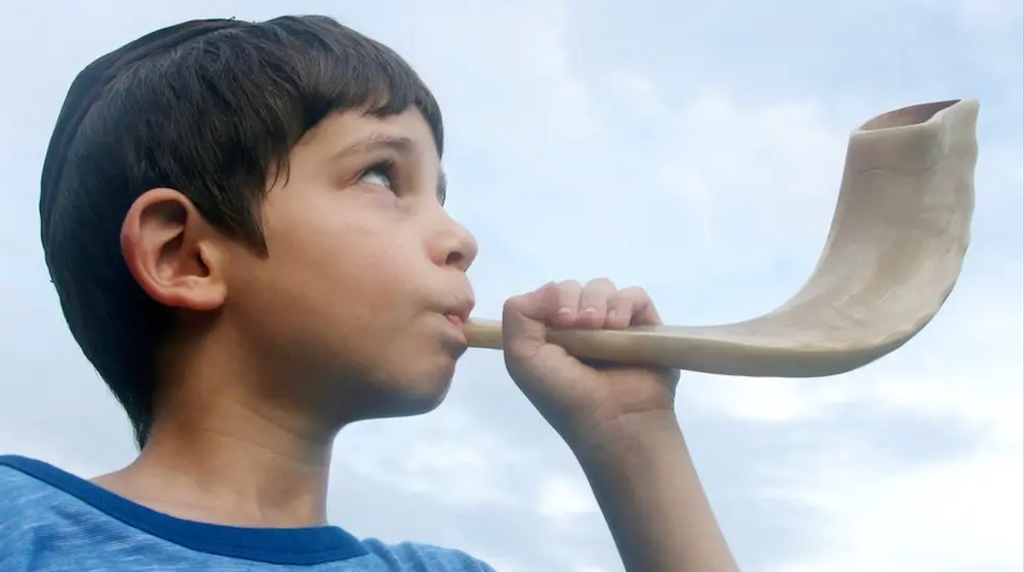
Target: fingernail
{"type": "Point", "coordinates": [565, 311]}
{"type": "Point", "coordinates": [589, 310]}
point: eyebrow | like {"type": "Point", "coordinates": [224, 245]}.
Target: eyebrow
{"type": "Point", "coordinates": [399, 144]}
{"type": "Point", "coordinates": [442, 186]}
{"type": "Point", "coordinates": [376, 141]}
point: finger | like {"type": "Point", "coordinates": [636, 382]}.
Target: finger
{"type": "Point", "coordinates": [524, 319]}
{"type": "Point", "coordinates": [569, 303]}
{"type": "Point", "coordinates": [637, 304]}
{"type": "Point", "coordinates": [620, 312]}
{"type": "Point", "coordinates": [594, 303]}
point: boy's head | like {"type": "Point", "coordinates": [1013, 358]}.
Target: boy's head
{"type": "Point", "coordinates": [266, 196]}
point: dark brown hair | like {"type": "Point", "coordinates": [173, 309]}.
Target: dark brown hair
{"type": "Point", "coordinates": [211, 113]}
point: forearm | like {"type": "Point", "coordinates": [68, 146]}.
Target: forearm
{"type": "Point", "coordinates": [652, 499]}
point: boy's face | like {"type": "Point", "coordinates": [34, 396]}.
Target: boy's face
{"type": "Point", "coordinates": [361, 297]}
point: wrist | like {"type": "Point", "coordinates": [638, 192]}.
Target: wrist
{"type": "Point", "coordinates": [650, 494]}
{"type": "Point", "coordinates": [627, 435]}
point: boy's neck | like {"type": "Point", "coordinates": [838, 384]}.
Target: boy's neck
{"type": "Point", "coordinates": [219, 454]}
{"type": "Point", "coordinates": [261, 478]}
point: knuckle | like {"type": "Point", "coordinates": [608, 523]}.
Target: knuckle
{"type": "Point", "coordinates": [634, 293]}
{"type": "Point", "coordinates": [514, 303]}
{"type": "Point", "coordinates": [620, 301]}
{"type": "Point", "coordinates": [569, 285]}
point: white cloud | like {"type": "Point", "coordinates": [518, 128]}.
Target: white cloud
{"type": "Point", "coordinates": [563, 496]}
{"type": "Point", "coordinates": [950, 516]}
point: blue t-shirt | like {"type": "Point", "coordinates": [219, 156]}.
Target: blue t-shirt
{"type": "Point", "coordinates": [53, 521]}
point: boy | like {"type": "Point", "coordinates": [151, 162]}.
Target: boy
{"type": "Point", "coordinates": [244, 225]}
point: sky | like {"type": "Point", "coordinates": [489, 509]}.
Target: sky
{"type": "Point", "coordinates": [693, 148]}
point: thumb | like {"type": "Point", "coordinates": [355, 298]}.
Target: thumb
{"type": "Point", "coordinates": [525, 320]}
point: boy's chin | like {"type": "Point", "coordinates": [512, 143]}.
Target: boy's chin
{"type": "Point", "coordinates": [410, 398]}
{"type": "Point", "coordinates": [419, 403]}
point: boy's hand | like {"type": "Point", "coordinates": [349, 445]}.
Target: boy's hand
{"type": "Point", "coordinates": [620, 423]}
{"type": "Point", "coordinates": [590, 405]}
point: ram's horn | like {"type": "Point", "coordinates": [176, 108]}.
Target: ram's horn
{"type": "Point", "coordinates": [893, 254]}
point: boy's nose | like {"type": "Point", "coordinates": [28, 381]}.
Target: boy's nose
{"type": "Point", "coordinates": [463, 250]}
{"type": "Point", "coordinates": [455, 246]}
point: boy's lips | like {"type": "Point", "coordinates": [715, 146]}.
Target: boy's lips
{"type": "Point", "coordinates": [458, 314]}
{"type": "Point", "coordinates": [455, 320]}
{"type": "Point", "coordinates": [455, 334]}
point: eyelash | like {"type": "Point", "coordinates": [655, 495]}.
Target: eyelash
{"type": "Point", "coordinates": [385, 169]}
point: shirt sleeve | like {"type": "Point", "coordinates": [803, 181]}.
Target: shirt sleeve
{"type": "Point", "coordinates": [424, 558]}
{"type": "Point", "coordinates": [14, 555]}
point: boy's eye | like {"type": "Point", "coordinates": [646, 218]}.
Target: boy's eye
{"type": "Point", "coordinates": [378, 175]}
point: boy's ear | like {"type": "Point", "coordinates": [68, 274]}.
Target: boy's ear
{"type": "Point", "coordinates": [173, 253]}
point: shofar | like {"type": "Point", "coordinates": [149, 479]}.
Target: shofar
{"type": "Point", "coordinates": [894, 252]}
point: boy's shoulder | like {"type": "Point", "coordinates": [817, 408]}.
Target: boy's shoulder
{"type": "Point", "coordinates": [414, 556]}
{"type": "Point", "coordinates": [21, 495]}
{"type": "Point", "coordinates": [25, 505]}
{"type": "Point", "coordinates": [52, 520]}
